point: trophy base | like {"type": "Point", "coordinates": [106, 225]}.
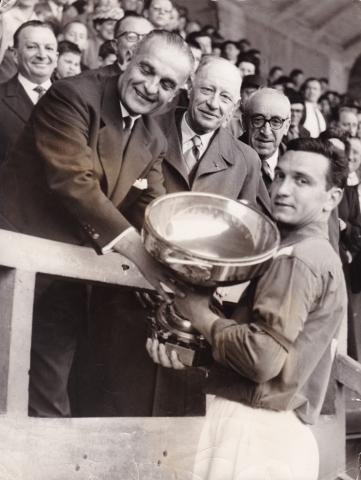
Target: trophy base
{"type": "Point", "coordinates": [192, 348]}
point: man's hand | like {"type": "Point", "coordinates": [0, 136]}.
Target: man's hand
{"type": "Point", "coordinates": [158, 276]}
{"type": "Point", "coordinates": [158, 354]}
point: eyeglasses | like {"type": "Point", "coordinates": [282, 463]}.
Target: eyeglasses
{"type": "Point", "coordinates": [131, 37]}
{"type": "Point", "coordinates": [259, 121]}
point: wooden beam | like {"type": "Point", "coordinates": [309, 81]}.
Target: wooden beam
{"type": "Point", "coordinates": [328, 19]}
{"type": "Point", "coordinates": [34, 254]}
{"type": "Point", "coordinates": [348, 372]}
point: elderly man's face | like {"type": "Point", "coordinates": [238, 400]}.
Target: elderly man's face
{"type": "Point", "coordinates": [247, 68]}
{"type": "Point", "coordinates": [266, 139]}
{"type": "Point", "coordinates": [214, 95]}
{"type": "Point", "coordinates": [105, 29]}
{"type": "Point", "coordinates": [160, 12]}
{"type": "Point", "coordinates": [131, 30]}
{"type": "Point", "coordinates": [299, 193]}
{"type": "Point", "coordinates": [37, 53]}
{"type": "Point", "coordinates": [349, 122]}
{"type": "Point", "coordinates": [153, 77]}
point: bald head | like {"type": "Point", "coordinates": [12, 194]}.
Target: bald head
{"type": "Point", "coordinates": [215, 94]}
{"type": "Point", "coordinates": [265, 136]}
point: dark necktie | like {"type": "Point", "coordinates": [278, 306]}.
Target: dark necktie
{"type": "Point", "coordinates": [40, 91]}
{"type": "Point", "coordinates": [266, 174]}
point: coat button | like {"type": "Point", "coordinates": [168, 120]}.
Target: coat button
{"type": "Point", "coordinates": [95, 236]}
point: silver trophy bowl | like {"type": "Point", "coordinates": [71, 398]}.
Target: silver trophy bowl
{"type": "Point", "coordinates": [205, 240]}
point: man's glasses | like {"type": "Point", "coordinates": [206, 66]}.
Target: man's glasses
{"type": "Point", "coordinates": [131, 37]}
{"type": "Point", "coordinates": [259, 121]}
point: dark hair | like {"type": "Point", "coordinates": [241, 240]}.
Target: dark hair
{"type": "Point", "coordinates": [65, 46]}
{"type": "Point", "coordinates": [338, 164]}
{"type": "Point", "coordinates": [274, 69]}
{"type": "Point", "coordinates": [106, 48]}
{"type": "Point", "coordinates": [308, 80]}
{"type": "Point", "coordinates": [246, 57]}
{"type": "Point", "coordinates": [295, 72]}
{"type": "Point", "coordinates": [31, 23]}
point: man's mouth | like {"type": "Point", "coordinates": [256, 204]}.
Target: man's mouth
{"type": "Point", "coordinates": [144, 97]}
{"type": "Point", "coordinates": [208, 114]}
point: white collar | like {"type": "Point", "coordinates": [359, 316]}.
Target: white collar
{"type": "Point", "coordinates": [27, 84]}
{"type": "Point", "coordinates": [125, 113]}
{"type": "Point", "coordinates": [188, 133]}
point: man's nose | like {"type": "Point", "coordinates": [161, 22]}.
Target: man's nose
{"type": "Point", "coordinates": [283, 187]}
{"type": "Point", "coordinates": [41, 52]}
{"type": "Point", "coordinates": [266, 128]}
{"type": "Point", "coordinates": [152, 86]}
{"type": "Point", "coordinates": [213, 101]}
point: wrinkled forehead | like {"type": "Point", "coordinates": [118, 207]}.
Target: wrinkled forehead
{"type": "Point", "coordinates": [41, 32]}
{"type": "Point", "coordinates": [310, 164]}
{"type": "Point", "coordinates": [269, 105]}
{"type": "Point", "coordinates": [221, 75]}
{"type": "Point", "coordinates": [135, 24]}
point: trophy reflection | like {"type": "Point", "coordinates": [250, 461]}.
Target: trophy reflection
{"type": "Point", "coordinates": [205, 240]}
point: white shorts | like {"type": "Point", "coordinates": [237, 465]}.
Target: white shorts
{"type": "Point", "coordinates": [238, 442]}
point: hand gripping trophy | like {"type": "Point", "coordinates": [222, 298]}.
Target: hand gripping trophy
{"type": "Point", "coordinates": [206, 241]}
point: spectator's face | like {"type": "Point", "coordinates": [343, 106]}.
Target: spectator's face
{"type": "Point", "coordinates": [68, 65]}
{"type": "Point", "coordinates": [313, 91]}
{"type": "Point", "coordinates": [205, 43]}
{"type": "Point", "coordinates": [247, 68]}
{"type": "Point", "coordinates": [105, 29]}
{"type": "Point", "coordinates": [231, 52]}
{"type": "Point", "coordinates": [160, 12]}
{"type": "Point", "coordinates": [130, 32]}
{"type": "Point", "coordinates": [153, 77]}
{"type": "Point", "coordinates": [266, 140]}
{"type": "Point", "coordinates": [78, 34]}
{"type": "Point", "coordinates": [348, 122]}
{"type": "Point", "coordinates": [213, 97]}
{"type": "Point", "coordinates": [36, 53]}
{"type": "Point", "coordinates": [298, 80]}
{"type": "Point", "coordinates": [275, 75]}
{"type": "Point", "coordinates": [299, 193]}
{"type": "Point", "coordinates": [325, 107]}
{"type": "Point", "coordinates": [354, 154]}
{"type": "Point", "coordinates": [296, 113]}
{"type": "Point", "coordinates": [108, 60]}
{"type": "Point", "coordinates": [132, 5]}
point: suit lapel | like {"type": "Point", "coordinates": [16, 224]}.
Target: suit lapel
{"type": "Point", "coordinates": [135, 160]}
{"type": "Point", "coordinates": [217, 157]}
{"type": "Point", "coordinates": [18, 100]}
{"type": "Point", "coordinates": [110, 144]}
{"type": "Point", "coordinates": [175, 152]}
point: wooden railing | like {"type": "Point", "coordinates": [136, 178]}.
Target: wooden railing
{"type": "Point", "coordinates": [103, 448]}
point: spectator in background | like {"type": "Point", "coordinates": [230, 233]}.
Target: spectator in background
{"type": "Point", "coordinates": [77, 33]}
{"type": "Point", "coordinates": [247, 64]}
{"type": "Point", "coordinates": [326, 109]}
{"type": "Point", "coordinates": [202, 40]}
{"type": "Point", "coordinates": [297, 77]}
{"type": "Point", "coordinates": [136, 6]}
{"type": "Point", "coordinates": [324, 84]}
{"type": "Point", "coordinates": [217, 48]}
{"type": "Point", "coordinates": [107, 53]}
{"type": "Point", "coordinates": [298, 115]}
{"type": "Point", "coordinates": [104, 21]}
{"type": "Point", "coordinates": [244, 45]}
{"type": "Point", "coordinates": [69, 58]}
{"type": "Point", "coordinates": [192, 26]}
{"type": "Point", "coordinates": [315, 121]}
{"type": "Point", "coordinates": [348, 121]}
{"type": "Point", "coordinates": [231, 51]}
{"type": "Point", "coordinates": [173, 25]}
{"type": "Point", "coordinates": [159, 13]}
{"type": "Point", "coordinates": [35, 50]}
{"type": "Point", "coordinates": [275, 72]}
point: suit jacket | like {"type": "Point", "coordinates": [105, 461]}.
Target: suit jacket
{"type": "Point", "coordinates": [228, 167]}
{"type": "Point", "coordinates": [15, 108]}
{"type": "Point", "coordinates": [69, 177]}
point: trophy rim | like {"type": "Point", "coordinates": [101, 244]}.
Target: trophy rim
{"type": "Point", "coordinates": [247, 261]}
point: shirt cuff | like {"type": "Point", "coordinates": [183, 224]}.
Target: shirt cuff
{"type": "Point", "coordinates": [109, 247]}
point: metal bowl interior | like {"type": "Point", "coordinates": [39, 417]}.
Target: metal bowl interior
{"type": "Point", "coordinates": [211, 228]}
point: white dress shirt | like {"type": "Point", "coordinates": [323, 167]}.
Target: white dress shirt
{"type": "Point", "coordinates": [315, 121]}
{"type": "Point", "coordinates": [188, 134]}
{"type": "Point", "coordinates": [272, 163]}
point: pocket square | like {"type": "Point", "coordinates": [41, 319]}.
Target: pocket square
{"type": "Point", "coordinates": [141, 183]}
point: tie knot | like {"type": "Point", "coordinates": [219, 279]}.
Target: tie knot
{"type": "Point", "coordinates": [197, 141]}
{"type": "Point", "coordinates": [128, 121]}
{"type": "Point", "coordinates": [40, 90]}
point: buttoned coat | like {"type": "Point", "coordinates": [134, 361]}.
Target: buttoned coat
{"type": "Point", "coordinates": [228, 167]}
{"type": "Point", "coordinates": [15, 108]}
{"type": "Point", "coordinates": [69, 178]}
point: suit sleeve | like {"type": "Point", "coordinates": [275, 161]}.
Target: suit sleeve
{"type": "Point", "coordinates": [63, 125]}
{"type": "Point", "coordinates": [251, 184]}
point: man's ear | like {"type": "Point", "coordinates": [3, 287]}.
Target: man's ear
{"type": "Point", "coordinates": [286, 126]}
{"type": "Point", "coordinates": [335, 195]}
{"type": "Point", "coordinates": [14, 53]}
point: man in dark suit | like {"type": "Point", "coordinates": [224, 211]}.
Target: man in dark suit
{"type": "Point", "coordinates": [83, 171]}
{"type": "Point", "coordinates": [35, 50]}
{"type": "Point", "coordinates": [267, 119]}
{"type": "Point", "coordinates": [221, 165]}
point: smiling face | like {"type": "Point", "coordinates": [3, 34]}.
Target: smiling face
{"type": "Point", "coordinates": [153, 77]}
{"type": "Point", "coordinates": [125, 43]}
{"type": "Point", "coordinates": [160, 13]}
{"type": "Point", "coordinates": [36, 53]}
{"type": "Point", "coordinates": [77, 33]}
{"type": "Point", "coordinates": [299, 193]}
{"type": "Point", "coordinates": [348, 122]}
{"type": "Point", "coordinates": [268, 103]}
{"type": "Point", "coordinates": [214, 95]}
{"type": "Point", "coordinates": [354, 154]}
